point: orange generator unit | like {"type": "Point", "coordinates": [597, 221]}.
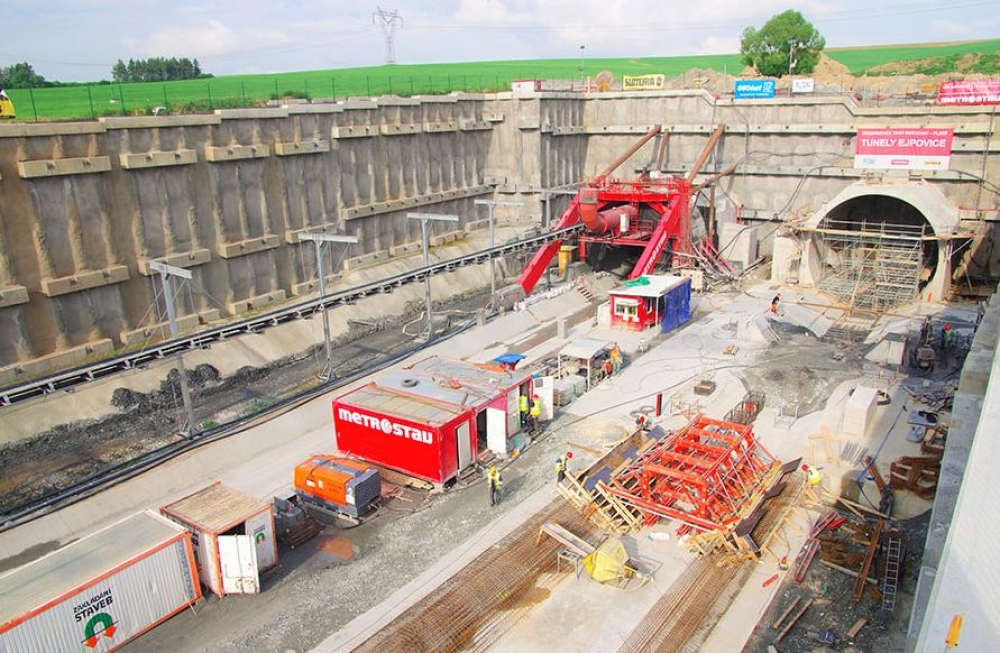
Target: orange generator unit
{"type": "Point", "coordinates": [338, 484]}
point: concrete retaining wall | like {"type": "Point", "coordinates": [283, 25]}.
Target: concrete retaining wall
{"type": "Point", "coordinates": [86, 206]}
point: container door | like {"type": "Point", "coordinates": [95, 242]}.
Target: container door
{"type": "Point", "coordinates": [238, 558]}
{"type": "Point", "coordinates": [496, 430]}
{"type": "Point", "coordinates": [464, 448]}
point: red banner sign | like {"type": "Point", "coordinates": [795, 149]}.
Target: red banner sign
{"type": "Point", "coordinates": [986, 91]}
{"type": "Point", "coordinates": [906, 149]}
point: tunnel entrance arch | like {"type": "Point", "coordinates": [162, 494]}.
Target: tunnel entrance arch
{"type": "Point", "coordinates": [880, 245]}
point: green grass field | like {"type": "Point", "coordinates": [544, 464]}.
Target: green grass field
{"type": "Point", "coordinates": [95, 100]}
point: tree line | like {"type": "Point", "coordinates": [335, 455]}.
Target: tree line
{"type": "Point", "coordinates": [156, 69]}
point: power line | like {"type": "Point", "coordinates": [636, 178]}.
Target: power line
{"type": "Point", "coordinates": [388, 21]}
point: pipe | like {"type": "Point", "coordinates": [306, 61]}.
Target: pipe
{"type": "Point", "coordinates": [609, 222]}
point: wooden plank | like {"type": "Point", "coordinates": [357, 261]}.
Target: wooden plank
{"type": "Point", "coordinates": [856, 628]}
{"type": "Point", "coordinates": [784, 615]}
{"type": "Point", "coordinates": [788, 627]}
{"type": "Point", "coordinates": [575, 544]}
{"type": "Point", "coordinates": [859, 587]}
{"type": "Point", "coordinates": [849, 572]}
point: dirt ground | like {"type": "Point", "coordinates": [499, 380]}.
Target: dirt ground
{"type": "Point", "coordinates": [834, 606]}
{"type": "Point", "coordinates": [70, 453]}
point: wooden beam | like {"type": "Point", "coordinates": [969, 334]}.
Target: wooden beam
{"type": "Point", "coordinates": [705, 153]}
{"type": "Point", "coordinates": [798, 615]}
{"type": "Point", "coordinates": [859, 587]}
{"type": "Point", "coordinates": [653, 131]}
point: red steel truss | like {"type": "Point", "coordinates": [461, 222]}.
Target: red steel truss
{"type": "Point", "coordinates": [710, 475]}
{"type": "Point", "coordinates": [669, 198]}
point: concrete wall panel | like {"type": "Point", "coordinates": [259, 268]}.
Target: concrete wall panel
{"type": "Point", "coordinates": [381, 158]}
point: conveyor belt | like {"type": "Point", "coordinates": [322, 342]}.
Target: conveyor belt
{"type": "Point", "coordinates": [259, 323]}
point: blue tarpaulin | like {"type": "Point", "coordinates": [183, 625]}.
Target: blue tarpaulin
{"type": "Point", "coordinates": [676, 306]}
{"type": "Point", "coordinates": [510, 359]}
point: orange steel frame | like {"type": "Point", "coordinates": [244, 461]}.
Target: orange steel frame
{"type": "Point", "coordinates": [706, 475]}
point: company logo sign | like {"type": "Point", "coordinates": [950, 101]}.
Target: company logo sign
{"type": "Point", "coordinates": [986, 91]}
{"type": "Point", "coordinates": [903, 149]}
{"type": "Point", "coordinates": [94, 614]}
{"type": "Point", "coordinates": [385, 425]}
{"type": "Point", "coordinates": [754, 89]}
{"type": "Point", "coordinates": [643, 82]}
{"type": "Point", "coordinates": [804, 85]}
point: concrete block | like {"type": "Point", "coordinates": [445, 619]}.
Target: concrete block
{"type": "Point", "coordinates": [98, 349]}
{"type": "Point", "coordinates": [528, 125]}
{"type": "Point", "coordinates": [436, 99]}
{"type": "Point", "coordinates": [311, 287]}
{"type": "Point", "coordinates": [158, 332]}
{"type": "Point", "coordinates": [219, 154]}
{"type": "Point", "coordinates": [358, 131]}
{"type": "Point", "coordinates": [477, 225]}
{"type": "Point", "coordinates": [23, 129]}
{"type": "Point", "coordinates": [83, 165]}
{"type": "Point", "coordinates": [469, 125]}
{"type": "Point", "coordinates": [396, 101]}
{"type": "Point", "coordinates": [55, 286]}
{"type": "Point", "coordinates": [405, 249]}
{"type": "Point", "coordinates": [183, 260]}
{"type": "Point", "coordinates": [252, 114]}
{"type": "Point", "coordinates": [292, 236]}
{"type": "Point", "coordinates": [494, 117]}
{"type": "Point", "coordinates": [256, 303]}
{"type": "Point", "coordinates": [317, 106]}
{"type": "Point", "coordinates": [366, 260]}
{"type": "Point", "coordinates": [360, 103]}
{"type": "Point", "coordinates": [572, 130]}
{"type": "Point", "coordinates": [13, 295]}
{"type": "Point", "coordinates": [858, 411]}
{"type": "Point", "coordinates": [157, 122]}
{"type": "Point", "coordinates": [439, 127]}
{"type": "Point", "coordinates": [400, 129]}
{"type": "Point", "coordinates": [366, 210]}
{"type": "Point", "coordinates": [248, 246]}
{"type": "Point", "coordinates": [157, 159]}
{"type": "Point", "coordinates": [290, 148]}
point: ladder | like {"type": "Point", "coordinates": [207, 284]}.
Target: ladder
{"type": "Point", "coordinates": [893, 563]}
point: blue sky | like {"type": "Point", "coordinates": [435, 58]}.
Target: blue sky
{"type": "Point", "coordinates": [79, 40]}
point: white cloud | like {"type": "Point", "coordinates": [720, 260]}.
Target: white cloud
{"type": "Point", "coordinates": [719, 45]}
{"type": "Point", "coordinates": [211, 38]}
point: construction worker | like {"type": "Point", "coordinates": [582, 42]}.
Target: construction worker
{"type": "Point", "coordinates": [523, 404]}
{"type": "Point", "coordinates": [813, 477]}
{"type": "Point", "coordinates": [774, 304]}
{"type": "Point", "coordinates": [616, 359]}
{"type": "Point", "coordinates": [560, 469]}
{"type": "Point", "coordinates": [607, 367]}
{"type": "Point", "coordinates": [947, 334]}
{"type": "Point", "coordinates": [536, 410]}
{"type": "Point", "coordinates": [496, 485]}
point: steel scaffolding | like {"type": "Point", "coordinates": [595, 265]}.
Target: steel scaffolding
{"type": "Point", "coordinates": [879, 264]}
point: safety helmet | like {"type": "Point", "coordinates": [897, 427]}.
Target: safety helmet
{"type": "Point", "coordinates": [534, 396]}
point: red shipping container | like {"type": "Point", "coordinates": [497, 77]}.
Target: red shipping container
{"type": "Point", "coordinates": [429, 440]}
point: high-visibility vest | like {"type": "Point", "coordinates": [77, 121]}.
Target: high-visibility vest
{"type": "Point", "coordinates": [814, 477]}
{"type": "Point", "coordinates": [523, 402]}
{"type": "Point", "coordinates": [560, 465]}
{"type": "Point", "coordinates": [536, 408]}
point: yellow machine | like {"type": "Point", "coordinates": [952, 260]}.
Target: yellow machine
{"type": "Point", "coordinates": [6, 107]}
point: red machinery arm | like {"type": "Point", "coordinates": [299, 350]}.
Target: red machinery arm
{"type": "Point", "coordinates": [540, 261]}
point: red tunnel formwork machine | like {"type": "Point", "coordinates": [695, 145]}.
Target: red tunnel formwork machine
{"type": "Point", "coordinates": [613, 213]}
{"type": "Point", "coordinates": [710, 475]}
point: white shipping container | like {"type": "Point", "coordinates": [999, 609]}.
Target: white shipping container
{"type": "Point", "coordinates": [233, 534]}
{"type": "Point", "coordinates": [101, 591]}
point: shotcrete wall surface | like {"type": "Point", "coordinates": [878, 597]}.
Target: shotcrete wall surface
{"type": "Point", "coordinates": [86, 206]}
